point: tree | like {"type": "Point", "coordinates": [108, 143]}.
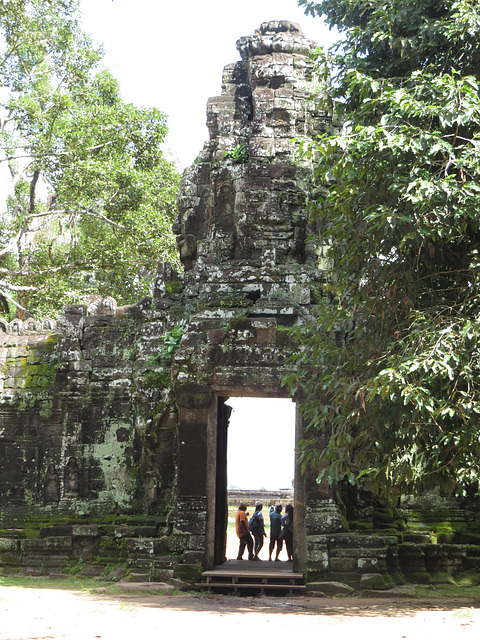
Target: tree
{"type": "Point", "coordinates": [92, 197]}
{"type": "Point", "coordinates": [389, 370]}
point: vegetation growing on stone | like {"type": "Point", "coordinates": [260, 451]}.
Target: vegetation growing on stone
{"type": "Point", "coordinates": [238, 155]}
{"type": "Point", "coordinates": [171, 340]}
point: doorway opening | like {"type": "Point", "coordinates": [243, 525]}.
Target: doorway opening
{"type": "Point", "coordinates": [255, 463]}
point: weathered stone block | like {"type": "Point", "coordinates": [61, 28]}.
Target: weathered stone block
{"type": "Point", "coordinates": [330, 589]}
{"type": "Point", "coordinates": [58, 543]}
{"type": "Point", "coordinates": [371, 564]}
{"type": "Point", "coordinates": [319, 558]}
{"type": "Point", "coordinates": [85, 530]}
{"type": "Point", "coordinates": [343, 564]}
{"type": "Point", "coordinates": [7, 545]}
{"type": "Point", "coordinates": [373, 581]}
{"type": "Point", "coordinates": [57, 530]}
{"type": "Point", "coordinates": [31, 546]}
{"type": "Point", "coordinates": [193, 557]}
{"type": "Point", "coordinates": [190, 572]}
{"type": "Point", "coordinates": [178, 542]}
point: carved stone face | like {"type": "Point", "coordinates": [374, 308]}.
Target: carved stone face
{"type": "Point", "coordinates": [109, 306]}
{"type": "Point", "coordinates": [187, 246]}
{"type": "Point", "coordinates": [244, 206]}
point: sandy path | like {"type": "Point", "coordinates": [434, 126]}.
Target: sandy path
{"type": "Point", "coordinates": [45, 614]}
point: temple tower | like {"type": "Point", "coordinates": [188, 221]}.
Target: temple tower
{"type": "Point", "coordinates": [250, 273]}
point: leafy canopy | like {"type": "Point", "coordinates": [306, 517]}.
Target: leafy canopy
{"type": "Point", "coordinates": [389, 369]}
{"type": "Point", "coordinates": [91, 198]}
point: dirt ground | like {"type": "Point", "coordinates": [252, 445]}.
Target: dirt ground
{"type": "Point", "coordinates": [45, 614]}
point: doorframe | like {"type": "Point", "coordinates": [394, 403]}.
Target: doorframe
{"type": "Point", "coordinates": [211, 551]}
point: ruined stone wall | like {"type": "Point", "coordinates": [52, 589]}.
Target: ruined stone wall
{"type": "Point", "coordinates": [75, 410]}
{"type": "Point", "coordinates": [87, 436]}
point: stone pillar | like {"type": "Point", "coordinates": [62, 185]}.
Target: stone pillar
{"type": "Point", "coordinates": [300, 539]}
{"type": "Point", "coordinates": [193, 401]}
{"type": "Point", "coordinates": [323, 516]}
{"type": "Point", "coordinates": [189, 517]}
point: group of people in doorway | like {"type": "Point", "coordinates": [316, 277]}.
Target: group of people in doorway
{"type": "Point", "coordinates": [281, 531]}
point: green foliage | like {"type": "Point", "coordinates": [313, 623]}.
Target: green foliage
{"type": "Point", "coordinates": [238, 155]}
{"type": "Point", "coordinates": [92, 198]}
{"type": "Point", "coordinates": [157, 379]}
{"type": "Point", "coordinates": [390, 367]}
{"type": "Point", "coordinates": [171, 340]}
{"type": "Point", "coordinates": [73, 567]}
{"type": "Point", "coordinates": [81, 583]}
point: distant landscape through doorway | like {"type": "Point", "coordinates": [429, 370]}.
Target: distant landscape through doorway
{"type": "Point", "coordinates": [261, 443]}
{"type": "Point", "coordinates": [260, 452]}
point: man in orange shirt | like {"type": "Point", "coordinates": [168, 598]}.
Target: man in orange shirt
{"type": "Point", "coordinates": [241, 527]}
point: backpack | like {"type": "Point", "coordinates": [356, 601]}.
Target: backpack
{"type": "Point", "coordinates": [287, 524]}
{"type": "Point", "coordinates": [253, 522]}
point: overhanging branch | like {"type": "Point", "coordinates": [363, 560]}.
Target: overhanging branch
{"type": "Point", "coordinates": [10, 299]}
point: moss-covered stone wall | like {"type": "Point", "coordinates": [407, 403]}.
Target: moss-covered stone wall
{"type": "Point", "coordinates": [88, 429]}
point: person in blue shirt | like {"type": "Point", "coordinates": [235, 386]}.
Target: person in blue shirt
{"type": "Point", "coordinates": [275, 528]}
{"type": "Point", "coordinates": [257, 527]}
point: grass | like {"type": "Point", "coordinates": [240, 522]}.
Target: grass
{"type": "Point", "coordinates": [67, 583]}
{"type": "Point", "coordinates": [458, 590]}
{"type": "Point", "coordinates": [462, 590]}
{"type": "Point", "coordinates": [44, 582]}
{"type": "Point", "coordinates": [231, 520]}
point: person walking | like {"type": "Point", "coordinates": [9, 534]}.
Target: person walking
{"type": "Point", "coordinates": [243, 533]}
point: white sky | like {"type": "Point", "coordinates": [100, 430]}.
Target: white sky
{"type": "Point", "coordinates": [261, 443]}
{"type": "Point", "coordinates": [171, 54]}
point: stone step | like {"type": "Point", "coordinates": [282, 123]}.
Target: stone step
{"type": "Point", "coordinates": [92, 570]}
{"type": "Point", "coordinates": [252, 577]}
{"type": "Point", "coordinates": [188, 571]}
{"type": "Point", "coordinates": [146, 562]}
{"type": "Point", "coordinates": [260, 587]}
{"type": "Point", "coordinates": [139, 575]}
{"type": "Point", "coordinates": [252, 580]}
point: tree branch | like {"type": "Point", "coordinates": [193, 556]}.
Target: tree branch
{"type": "Point", "coordinates": [43, 272]}
{"type": "Point", "coordinates": [11, 245]}
{"type": "Point", "coordinates": [13, 287]}
{"type": "Point", "coordinates": [33, 186]}
{"type": "Point", "coordinates": [83, 211]}
{"type": "Point", "coordinates": [49, 154]}
{"type": "Point", "coordinates": [10, 299]}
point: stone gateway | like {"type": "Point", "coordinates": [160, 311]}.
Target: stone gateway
{"type": "Point", "coordinates": [113, 420]}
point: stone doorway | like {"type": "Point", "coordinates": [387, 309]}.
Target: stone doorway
{"type": "Point", "coordinates": [258, 430]}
